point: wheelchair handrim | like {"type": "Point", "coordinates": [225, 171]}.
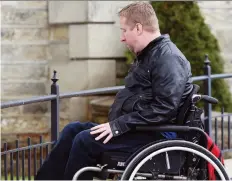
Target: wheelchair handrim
{"type": "Point", "coordinates": [174, 148]}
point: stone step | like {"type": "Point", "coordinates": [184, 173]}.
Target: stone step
{"type": "Point", "coordinates": [18, 87]}
{"type": "Point", "coordinates": [24, 70]}
{"type": "Point", "coordinates": [99, 109]}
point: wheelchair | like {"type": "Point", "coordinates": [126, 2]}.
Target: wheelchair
{"type": "Point", "coordinates": [182, 158]}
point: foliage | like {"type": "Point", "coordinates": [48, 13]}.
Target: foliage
{"type": "Point", "coordinates": [185, 25]}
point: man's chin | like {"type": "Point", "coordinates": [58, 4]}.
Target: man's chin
{"type": "Point", "coordinates": [130, 49]}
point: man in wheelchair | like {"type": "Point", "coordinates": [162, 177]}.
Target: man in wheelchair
{"type": "Point", "coordinates": [156, 88]}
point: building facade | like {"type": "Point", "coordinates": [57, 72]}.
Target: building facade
{"type": "Point", "coordinates": [78, 39]}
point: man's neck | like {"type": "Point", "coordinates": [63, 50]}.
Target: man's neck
{"type": "Point", "coordinates": [148, 38]}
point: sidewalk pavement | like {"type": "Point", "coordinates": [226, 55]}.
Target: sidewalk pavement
{"type": "Point", "coordinates": [228, 165]}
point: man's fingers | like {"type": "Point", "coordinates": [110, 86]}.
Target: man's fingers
{"type": "Point", "coordinates": [100, 130]}
{"type": "Point", "coordinates": [102, 135]}
{"type": "Point", "coordinates": [97, 127]}
{"type": "Point", "coordinates": [104, 130]}
{"type": "Point", "coordinates": [108, 138]}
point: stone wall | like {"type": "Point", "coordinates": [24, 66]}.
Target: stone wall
{"type": "Point", "coordinates": [78, 39]}
{"type": "Point", "coordinates": [25, 71]}
{"type": "Point", "coordinates": [93, 48]}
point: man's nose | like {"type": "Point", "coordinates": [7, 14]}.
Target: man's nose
{"type": "Point", "coordinates": [123, 39]}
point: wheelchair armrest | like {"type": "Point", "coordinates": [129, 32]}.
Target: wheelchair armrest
{"type": "Point", "coordinates": [170, 127]}
{"type": "Point", "coordinates": [165, 128]}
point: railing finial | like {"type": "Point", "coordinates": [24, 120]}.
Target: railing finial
{"type": "Point", "coordinates": [207, 61]}
{"type": "Point", "coordinates": [222, 110]}
{"type": "Point", "coordinates": [54, 79]}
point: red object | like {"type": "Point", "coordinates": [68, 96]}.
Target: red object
{"type": "Point", "coordinates": [214, 149]}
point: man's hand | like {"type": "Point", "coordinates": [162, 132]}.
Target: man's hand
{"type": "Point", "coordinates": [103, 130]}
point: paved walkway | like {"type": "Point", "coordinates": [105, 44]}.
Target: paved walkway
{"type": "Point", "coordinates": [228, 165]}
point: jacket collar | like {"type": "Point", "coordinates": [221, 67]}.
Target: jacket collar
{"type": "Point", "coordinates": [152, 44]}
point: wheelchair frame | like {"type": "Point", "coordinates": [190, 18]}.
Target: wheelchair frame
{"type": "Point", "coordinates": [164, 146]}
{"type": "Point", "coordinates": [182, 145]}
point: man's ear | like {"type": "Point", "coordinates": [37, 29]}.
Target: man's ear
{"type": "Point", "coordinates": [139, 28]}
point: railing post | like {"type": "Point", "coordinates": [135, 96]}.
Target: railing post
{"type": "Point", "coordinates": [207, 91]}
{"type": "Point", "coordinates": [55, 109]}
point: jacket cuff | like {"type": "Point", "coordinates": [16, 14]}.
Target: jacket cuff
{"type": "Point", "coordinates": [118, 127]}
{"type": "Point", "coordinates": [115, 128]}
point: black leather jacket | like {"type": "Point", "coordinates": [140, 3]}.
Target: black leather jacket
{"type": "Point", "coordinates": [155, 87]}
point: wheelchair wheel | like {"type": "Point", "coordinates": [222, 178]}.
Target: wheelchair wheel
{"type": "Point", "coordinates": [172, 145]}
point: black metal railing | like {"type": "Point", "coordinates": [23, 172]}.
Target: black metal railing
{"type": "Point", "coordinates": [55, 97]}
{"type": "Point", "coordinates": [221, 126]}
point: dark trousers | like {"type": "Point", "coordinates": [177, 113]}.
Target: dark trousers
{"type": "Point", "coordinates": [77, 148]}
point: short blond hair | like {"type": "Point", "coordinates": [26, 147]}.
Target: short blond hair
{"type": "Point", "coordinates": [141, 12]}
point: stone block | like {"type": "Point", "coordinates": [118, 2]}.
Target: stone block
{"type": "Point", "coordinates": [86, 41]}
{"type": "Point", "coordinates": [78, 108]}
{"type": "Point", "coordinates": [78, 41]}
{"type": "Point", "coordinates": [108, 45]}
{"type": "Point", "coordinates": [67, 11]}
{"type": "Point", "coordinates": [228, 67]}
{"type": "Point", "coordinates": [99, 108]}
{"type": "Point", "coordinates": [23, 88]}
{"type": "Point", "coordinates": [26, 124]}
{"type": "Point", "coordinates": [36, 108]}
{"type": "Point", "coordinates": [105, 11]}
{"type": "Point", "coordinates": [24, 34]}
{"type": "Point", "coordinates": [73, 75]}
{"type": "Point", "coordinates": [64, 104]}
{"type": "Point", "coordinates": [101, 11]}
{"type": "Point", "coordinates": [58, 53]}
{"type": "Point", "coordinates": [84, 11]}
{"type": "Point", "coordinates": [215, 4]}
{"type": "Point", "coordinates": [224, 37]}
{"type": "Point", "coordinates": [227, 57]}
{"type": "Point", "coordinates": [75, 108]}
{"type": "Point", "coordinates": [58, 32]}
{"type": "Point", "coordinates": [26, 52]}
{"type": "Point", "coordinates": [102, 73]}
{"type": "Point", "coordinates": [12, 16]}
{"type": "Point", "coordinates": [11, 110]}
{"type": "Point", "coordinates": [34, 71]}
{"type": "Point", "coordinates": [25, 4]}
{"type": "Point", "coordinates": [217, 18]}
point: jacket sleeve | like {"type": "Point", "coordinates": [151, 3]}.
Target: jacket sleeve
{"type": "Point", "coordinates": [169, 76]}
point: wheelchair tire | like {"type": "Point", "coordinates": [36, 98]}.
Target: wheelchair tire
{"type": "Point", "coordinates": [171, 145]}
